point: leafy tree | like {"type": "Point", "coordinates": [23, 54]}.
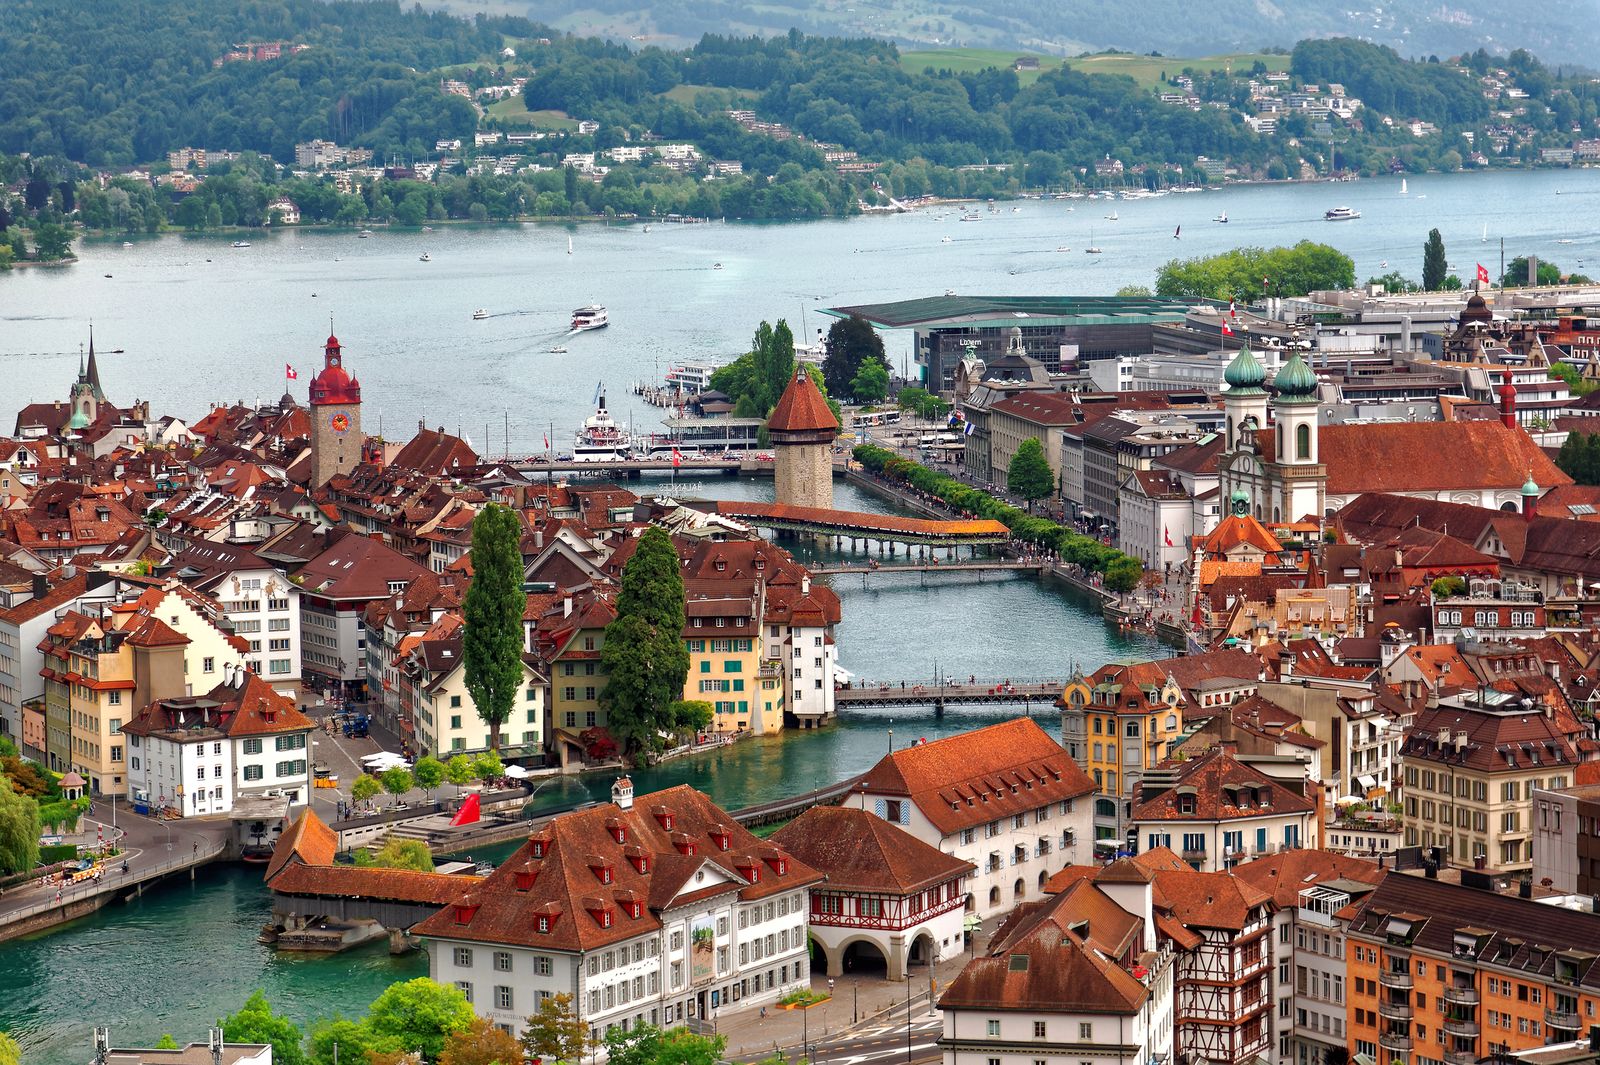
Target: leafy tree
{"type": "Point", "coordinates": [1445, 587]}
{"type": "Point", "coordinates": [397, 780]}
{"type": "Point", "coordinates": [10, 1053]}
{"type": "Point", "coordinates": [851, 343]}
{"type": "Point", "coordinates": [256, 1023]}
{"type": "Point", "coordinates": [649, 1045]}
{"type": "Point", "coordinates": [481, 1043]}
{"type": "Point", "coordinates": [690, 715]}
{"type": "Point", "coordinates": [1134, 291]}
{"type": "Point", "coordinates": [19, 830]}
{"type": "Point", "coordinates": [397, 853]}
{"type": "Point", "coordinates": [458, 771]}
{"type": "Point", "coordinates": [1516, 274]}
{"type": "Point", "coordinates": [419, 1014]}
{"type": "Point", "coordinates": [487, 766]}
{"type": "Point", "coordinates": [342, 1041]}
{"type": "Point", "coordinates": [1250, 273]}
{"type": "Point", "coordinates": [492, 640]}
{"type": "Point", "coordinates": [1434, 264]}
{"type": "Point", "coordinates": [1394, 281]}
{"type": "Point", "coordinates": [1123, 575]}
{"type": "Point", "coordinates": [555, 1032]}
{"type": "Point", "coordinates": [429, 773]}
{"type": "Point", "coordinates": [168, 1042]}
{"type": "Point", "coordinates": [365, 787]}
{"type": "Point", "coordinates": [644, 657]}
{"type": "Point", "coordinates": [871, 383]}
{"type": "Point", "coordinates": [52, 241]}
{"type": "Point", "coordinates": [1029, 474]}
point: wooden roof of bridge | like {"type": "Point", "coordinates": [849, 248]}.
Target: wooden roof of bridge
{"type": "Point", "coordinates": [861, 521]}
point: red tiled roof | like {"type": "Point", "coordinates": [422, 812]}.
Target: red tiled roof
{"type": "Point", "coordinates": [981, 775]}
{"type": "Point", "coordinates": [802, 407]}
{"type": "Point", "coordinates": [1286, 874]}
{"type": "Point", "coordinates": [1206, 777]}
{"type": "Point", "coordinates": [308, 841]}
{"type": "Point", "coordinates": [859, 851]}
{"type": "Point", "coordinates": [1050, 970]}
{"type": "Point", "coordinates": [866, 522]}
{"type": "Point", "coordinates": [389, 885]}
{"type": "Point", "coordinates": [1427, 457]}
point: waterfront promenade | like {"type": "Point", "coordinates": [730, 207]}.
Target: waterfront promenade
{"type": "Point", "coordinates": [152, 850]}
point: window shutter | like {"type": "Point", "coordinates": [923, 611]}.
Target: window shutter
{"type": "Point", "coordinates": [882, 808]}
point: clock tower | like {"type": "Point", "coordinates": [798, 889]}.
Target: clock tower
{"type": "Point", "coordinates": [335, 418]}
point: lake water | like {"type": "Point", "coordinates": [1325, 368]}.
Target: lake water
{"type": "Point", "coordinates": [194, 330]}
{"type": "Point", "coordinates": [199, 320]}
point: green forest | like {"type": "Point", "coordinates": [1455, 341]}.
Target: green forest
{"type": "Point", "coordinates": [124, 81]}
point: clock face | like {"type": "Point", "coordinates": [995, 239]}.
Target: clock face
{"type": "Point", "coordinates": [339, 423]}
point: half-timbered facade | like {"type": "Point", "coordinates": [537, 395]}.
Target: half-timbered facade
{"type": "Point", "coordinates": [887, 892]}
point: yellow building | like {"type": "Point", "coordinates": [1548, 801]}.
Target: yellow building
{"type": "Point", "coordinates": [722, 631]}
{"type": "Point", "coordinates": [212, 646]}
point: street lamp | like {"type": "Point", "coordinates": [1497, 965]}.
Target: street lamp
{"type": "Point", "coordinates": [931, 975]}
{"type": "Point", "coordinates": [908, 1007]}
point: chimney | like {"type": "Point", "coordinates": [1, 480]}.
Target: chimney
{"type": "Point", "coordinates": [1285, 663]}
{"type": "Point", "coordinates": [566, 607]}
{"type": "Point", "coordinates": [622, 793]}
{"type": "Point", "coordinates": [1405, 332]}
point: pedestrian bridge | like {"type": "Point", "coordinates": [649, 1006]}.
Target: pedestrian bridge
{"type": "Point", "coordinates": [890, 529]}
{"type": "Point", "coordinates": [998, 565]}
{"type": "Point", "coordinates": [938, 696]}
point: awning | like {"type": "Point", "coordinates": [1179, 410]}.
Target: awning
{"type": "Point", "coordinates": [1367, 781]}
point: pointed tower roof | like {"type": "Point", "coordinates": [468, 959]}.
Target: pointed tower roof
{"type": "Point", "coordinates": [802, 408]}
{"type": "Point", "coordinates": [92, 374]}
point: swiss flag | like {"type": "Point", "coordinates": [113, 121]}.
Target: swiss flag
{"type": "Point", "coordinates": [547, 441]}
{"type": "Point", "coordinates": [677, 459]}
{"type": "Point", "coordinates": [1483, 274]}
{"type": "Point", "coordinates": [1166, 536]}
{"type": "Point", "coordinates": [291, 374]}
{"type": "Point", "coordinates": [1233, 311]}
{"type": "Point", "coordinates": [1225, 330]}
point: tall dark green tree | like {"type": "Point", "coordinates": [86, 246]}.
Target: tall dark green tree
{"type": "Point", "coordinates": [851, 342]}
{"type": "Point", "coordinates": [1029, 474]}
{"type": "Point", "coordinates": [779, 366]}
{"type": "Point", "coordinates": [644, 656]}
{"type": "Point", "coordinates": [1434, 264]}
{"type": "Point", "coordinates": [492, 640]}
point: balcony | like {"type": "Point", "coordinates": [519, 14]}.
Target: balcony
{"type": "Point", "coordinates": [1395, 1011]}
{"type": "Point", "coordinates": [1395, 979]}
{"type": "Point", "coordinates": [1194, 855]}
{"type": "Point", "coordinates": [1562, 1019]}
{"type": "Point", "coordinates": [1461, 1026]}
{"type": "Point", "coordinates": [1461, 1057]}
{"type": "Point", "coordinates": [1395, 1041]}
{"type": "Point", "coordinates": [1461, 996]}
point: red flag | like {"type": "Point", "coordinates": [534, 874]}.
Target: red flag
{"type": "Point", "coordinates": [1166, 536]}
{"type": "Point", "coordinates": [290, 372]}
{"type": "Point", "coordinates": [677, 459]}
{"type": "Point", "coordinates": [1225, 330]}
{"type": "Point", "coordinates": [547, 441]}
{"type": "Point", "coordinates": [1233, 311]}
{"type": "Point", "coordinates": [1483, 275]}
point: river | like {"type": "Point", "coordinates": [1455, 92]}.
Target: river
{"type": "Point", "coordinates": [186, 954]}
{"type": "Point", "coordinates": [198, 320]}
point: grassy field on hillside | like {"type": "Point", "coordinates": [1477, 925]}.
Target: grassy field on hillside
{"type": "Point", "coordinates": [1146, 70]}
{"type": "Point", "coordinates": [685, 94]}
{"type": "Point", "coordinates": [514, 112]}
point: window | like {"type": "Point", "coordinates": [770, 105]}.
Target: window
{"type": "Point", "coordinates": [208, 665]}
{"type": "Point", "coordinates": [502, 997]}
{"type": "Point", "coordinates": [993, 1027]}
{"type": "Point", "coordinates": [464, 957]}
{"type": "Point", "coordinates": [465, 988]}
{"type": "Point", "coordinates": [1085, 1031]}
{"type": "Point", "coordinates": [1038, 1029]}
{"type": "Point", "coordinates": [502, 961]}
{"type": "Point", "coordinates": [253, 772]}
{"type": "Point", "coordinates": [542, 965]}
{"type": "Point", "coordinates": [1302, 441]}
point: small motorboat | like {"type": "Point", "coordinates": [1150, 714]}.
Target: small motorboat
{"type": "Point", "coordinates": [1223, 217]}
{"type": "Point", "coordinates": [647, 227]}
{"type": "Point", "coordinates": [427, 229]}
{"type": "Point", "coordinates": [559, 349]}
{"type": "Point", "coordinates": [241, 244]}
{"type": "Point", "coordinates": [1112, 217]}
{"type": "Point", "coordinates": [1062, 247]}
{"type": "Point", "coordinates": [424, 258]}
{"type": "Point", "coordinates": [364, 234]}
{"type": "Point", "coordinates": [716, 266]}
{"type": "Point", "coordinates": [127, 244]}
{"type": "Point", "coordinates": [479, 315]}
{"type": "Point", "coordinates": [944, 240]}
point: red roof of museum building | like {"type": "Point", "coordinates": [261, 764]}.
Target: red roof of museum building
{"type": "Point", "coordinates": [801, 408]}
{"type": "Point", "coordinates": [860, 851]}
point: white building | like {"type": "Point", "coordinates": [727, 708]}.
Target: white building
{"type": "Point", "coordinates": [1007, 798]}
{"type": "Point", "coordinates": [25, 617]}
{"type": "Point", "coordinates": [202, 753]}
{"type": "Point", "coordinates": [445, 715]}
{"type": "Point", "coordinates": [650, 913]}
{"type": "Point", "coordinates": [261, 605]}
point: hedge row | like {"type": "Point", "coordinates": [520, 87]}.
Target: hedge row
{"type": "Point", "coordinates": [1121, 572]}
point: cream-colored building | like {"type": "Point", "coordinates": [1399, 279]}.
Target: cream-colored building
{"type": "Point", "coordinates": [1471, 766]}
{"type": "Point", "coordinates": [211, 649]}
{"type": "Point", "coordinates": [446, 716]}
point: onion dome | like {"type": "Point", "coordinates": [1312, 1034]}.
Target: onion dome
{"type": "Point", "coordinates": [1295, 382]}
{"type": "Point", "coordinates": [79, 420]}
{"type": "Point", "coordinates": [1476, 310]}
{"type": "Point", "coordinates": [1240, 502]}
{"type": "Point", "coordinates": [1244, 372]}
{"type": "Point", "coordinates": [1530, 488]}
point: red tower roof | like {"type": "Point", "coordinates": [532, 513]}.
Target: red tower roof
{"type": "Point", "coordinates": [802, 408]}
{"type": "Point", "coordinates": [333, 385]}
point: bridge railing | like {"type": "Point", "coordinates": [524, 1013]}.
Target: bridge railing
{"type": "Point", "coordinates": [112, 881]}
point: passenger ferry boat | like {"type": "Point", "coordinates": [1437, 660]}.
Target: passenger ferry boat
{"type": "Point", "coordinates": [1341, 214]}
{"type": "Point", "coordinates": [590, 317]}
{"type": "Point", "coordinates": [691, 378]}
{"type": "Point", "coordinates": [703, 437]}
{"type": "Point", "coordinates": [601, 439]}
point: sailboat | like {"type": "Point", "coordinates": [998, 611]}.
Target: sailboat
{"type": "Point", "coordinates": [569, 244]}
{"type": "Point", "coordinates": [1485, 236]}
{"type": "Point", "coordinates": [1092, 249]}
{"type": "Point", "coordinates": [1402, 186]}
{"type": "Point", "coordinates": [1177, 233]}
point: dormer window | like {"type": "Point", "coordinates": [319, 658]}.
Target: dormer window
{"type": "Point", "coordinates": [604, 917]}
{"type": "Point", "coordinates": [465, 910]}
{"type": "Point", "coordinates": [664, 817]}
{"type": "Point", "coordinates": [719, 836]}
{"type": "Point", "coordinates": [638, 859]}
{"type": "Point", "coordinates": [538, 846]}
{"type": "Point", "coordinates": [619, 831]}
{"type": "Point", "coordinates": [544, 923]}
{"type": "Point", "coordinates": [779, 863]}
{"type": "Point", "coordinates": [601, 871]}
{"type": "Point", "coordinates": [526, 876]}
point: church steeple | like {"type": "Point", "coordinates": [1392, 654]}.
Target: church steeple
{"type": "Point", "coordinates": [91, 375]}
